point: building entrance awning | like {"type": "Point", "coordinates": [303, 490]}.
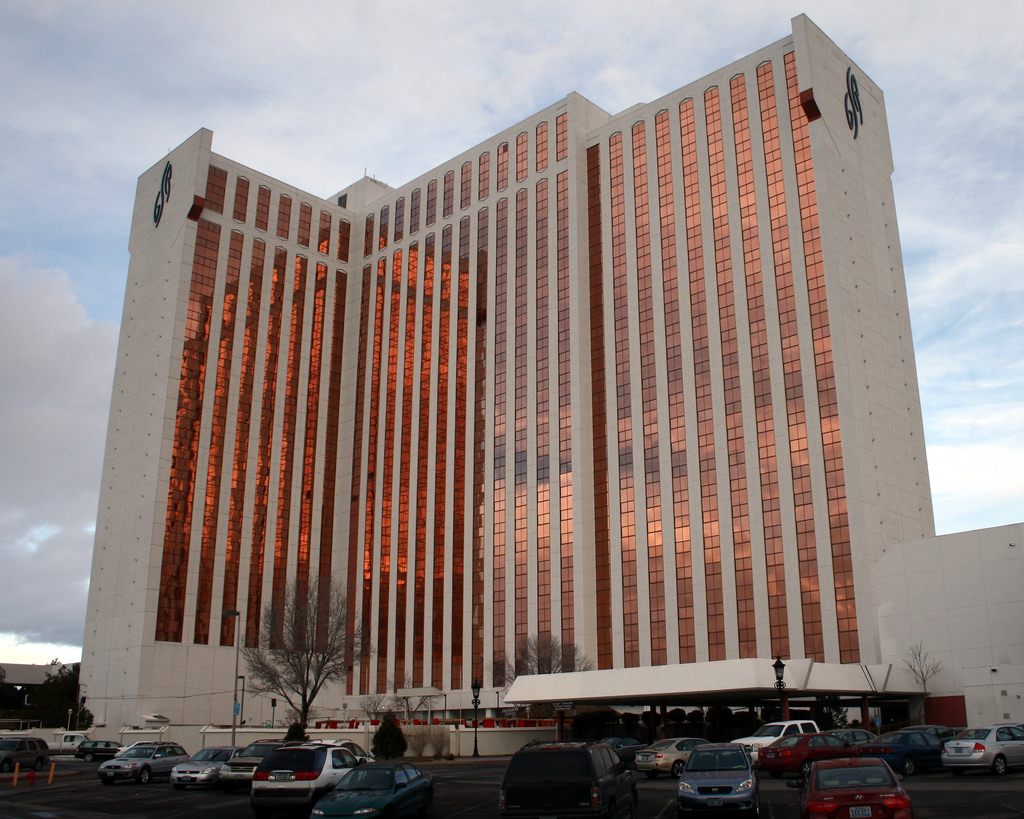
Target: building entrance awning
{"type": "Point", "coordinates": [726, 681]}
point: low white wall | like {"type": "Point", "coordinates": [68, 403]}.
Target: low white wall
{"type": "Point", "coordinates": [490, 741]}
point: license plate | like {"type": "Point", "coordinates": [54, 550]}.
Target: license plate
{"type": "Point", "coordinates": [283, 776]}
{"type": "Point", "coordinates": [959, 750]}
{"type": "Point", "coordinates": [185, 778]}
{"type": "Point", "coordinates": [714, 801]}
{"type": "Point", "coordinates": [860, 813]}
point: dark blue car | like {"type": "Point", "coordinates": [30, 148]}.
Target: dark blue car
{"type": "Point", "coordinates": [391, 789]}
{"type": "Point", "coordinates": [906, 751]}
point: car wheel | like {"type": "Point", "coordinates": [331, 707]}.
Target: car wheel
{"type": "Point", "coordinates": [89, 757]}
{"type": "Point", "coordinates": [144, 776]}
{"type": "Point", "coordinates": [633, 806]}
{"type": "Point", "coordinates": [908, 767]}
{"type": "Point", "coordinates": [40, 764]}
{"type": "Point", "coordinates": [999, 765]}
{"type": "Point", "coordinates": [427, 808]}
{"type": "Point", "coordinates": [677, 767]}
{"type": "Point", "coordinates": [6, 765]}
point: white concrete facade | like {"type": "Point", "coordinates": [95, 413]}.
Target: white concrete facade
{"type": "Point", "coordinates": [960, 597]}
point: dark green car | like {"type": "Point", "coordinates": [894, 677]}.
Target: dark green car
{"type": "Point", "coordinates": [386, 789]}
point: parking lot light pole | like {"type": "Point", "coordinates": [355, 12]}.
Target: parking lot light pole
{"type": "Point", "coordinates": [234, 702]}
{"type": "Point", "coordinates": [780, 669]}
{"type": "Point", "coordinates": [476, 722]}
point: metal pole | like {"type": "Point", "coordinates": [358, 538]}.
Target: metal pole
{"type": "Point", "coordinates": [238, 644]}
{"type": "Point", "coordinates": [476, 723]}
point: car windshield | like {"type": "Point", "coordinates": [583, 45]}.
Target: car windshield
{"type": "Point", "coordinates": [139, 753]}
{"type": "Point", "coordinates": [858, 776]}
{"type": "Point", "coordinates": [294, 759]}
{"type": "Point", "coordinates": [543, 766]}
{"type": "Point", "coordinates": [727, 760]}
{"type": "Point", "coordinates": [768, 731]}
{"type": "Point", "coordinates": [258, 750]}
{"type": "Point", "coordinates": [211, 755]}
{"type": "Point", "coordinates": [367, 779]}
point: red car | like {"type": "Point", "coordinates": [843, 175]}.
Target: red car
{"type": "Point", "coordinates": [857, 787]}
{"type": "Point", "coordinates": [795, 754]}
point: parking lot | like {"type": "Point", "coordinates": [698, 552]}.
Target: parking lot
{"type": "Point", "coordinates": [465, 788]}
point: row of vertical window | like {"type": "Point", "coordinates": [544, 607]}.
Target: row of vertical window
{"type": "Point", "coordinates": [379, 230]}
{"type": "Point", "coordinates": [216, 194]}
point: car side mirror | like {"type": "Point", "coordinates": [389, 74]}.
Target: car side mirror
{"type": "Point", "coordinates": [400, 785]}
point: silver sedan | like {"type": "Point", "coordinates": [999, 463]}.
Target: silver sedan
{"type": "Point", "coordinates": [203, 768]}
{"type": "Point", "coordinates": [666, 756]}
{"type": "Point", "coordinates": [992, 747]}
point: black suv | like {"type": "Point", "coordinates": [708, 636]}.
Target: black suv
{"type": "Point", "coordinates": [567, 779]}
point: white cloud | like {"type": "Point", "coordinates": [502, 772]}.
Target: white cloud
{"type": "Point", "coordinates": [56, 370]}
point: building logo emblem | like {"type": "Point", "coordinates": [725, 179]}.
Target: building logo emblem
{"type": "Point", "coordinates": [162, 195]}
{"type": "Point", "coordinates": [854, 112]}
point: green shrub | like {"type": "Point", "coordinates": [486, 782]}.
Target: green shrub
{"type": "Point", "coordinates": [389, 741]}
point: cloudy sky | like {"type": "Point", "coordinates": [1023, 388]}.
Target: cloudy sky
{"type": "Point", "coordinates": [316, 93]}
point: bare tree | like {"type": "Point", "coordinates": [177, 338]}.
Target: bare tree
{"type": "Point", "coordinates": [921, 665]}
{"type": "Point", "coordinates": [304, 644]}
{"type": "Point", "coordinates": [373, 705]}
{"type": "Point", "coordinates": [408, 705]}
{"type": "Point", "coordinates": [544, 654]}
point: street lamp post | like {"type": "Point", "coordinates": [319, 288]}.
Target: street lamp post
{"type": "Point", "coordinates": [780, 685]}
{"type": "Point", "coordinates": [476, 722]}
{"type": "Point", "coordinates": [234, 702]}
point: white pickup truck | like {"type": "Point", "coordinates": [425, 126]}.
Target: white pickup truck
{"type": "Point", "coordinates": [770, 732]}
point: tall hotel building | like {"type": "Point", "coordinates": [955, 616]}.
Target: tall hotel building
{"type": "Point", "coordinates": [640, 382]}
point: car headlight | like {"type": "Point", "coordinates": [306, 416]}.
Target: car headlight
{"type": "Point", "coordinates": [317, 812]}
{"type": "Point", "coordinates": [744, 786]}
{"type": "Point", "coordinates": [365, 811]}
{"type": "Point", "coordinates": [685, 787]}
{"type": "Point", "coordinates": [210, 770]}
{"type": "Point", "coordinates": [129, 764]}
